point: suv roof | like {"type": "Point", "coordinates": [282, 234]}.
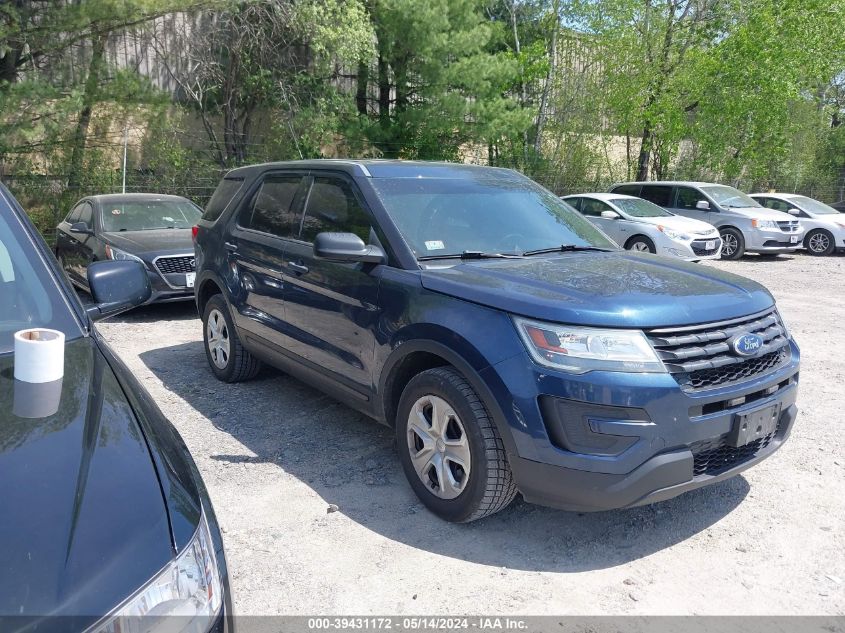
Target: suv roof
{"type": "Point", "coordinates": [381, 168]}
{"type": "Point", "coordinates": [693, 183]}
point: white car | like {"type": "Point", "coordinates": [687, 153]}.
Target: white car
{"type": "Point", "coordinates": [824, 226]}
{"type": "Point", "coordinates": [640, 225]}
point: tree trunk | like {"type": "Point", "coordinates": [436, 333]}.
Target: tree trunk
{"type": "Point", "coordinates": [544, 97]}
{"type": "Point", "coordinates": [645, 152]}
{"type": "Point", "coordinates": [89, 99]}
{"type": "Point", "coordinates": [363, 84]}
{"type": "Point", "coordinates": [386, 143]}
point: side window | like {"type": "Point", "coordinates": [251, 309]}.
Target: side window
{"type": "Point", "coordinates": [778, 205]}
{"type": "Point", "coordinates": [661, 195]}
{"type": "Point", "coordinates": [221, 198]}
{"type": "Point", "coordinates": [575, 203]}
{"type": "Point", "coordinates": [73, 216]}
{"type": "Point", "coordinates": [687, 197]}
{"type": "Point", "coordinates": [86, 215]}
{"type": "Point", "coordinates": [271, 209]}
{"type": "Point", "coordinates": [332, 206]}
{"type": "Point", "coordinates": [594, 208]}
{"type": "Point", "coordinates": [627, 190]}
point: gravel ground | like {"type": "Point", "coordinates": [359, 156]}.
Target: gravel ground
{"type": "Point", "coordinates": [277, 455]}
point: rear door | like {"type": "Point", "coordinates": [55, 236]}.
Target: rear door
{"type": "Point", "coordinates": [255, 246]}
{"type": "Point", "coordinates": [332, 308]}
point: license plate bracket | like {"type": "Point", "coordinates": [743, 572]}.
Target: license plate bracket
{"type": "Point", "coordinates": [710, 245]}
{"type": "Point", "coordinates": [793, 239]}
{"type": "Point", "coordinates": [189, 279]}
{"type": "Point", "coordinates": [754, 425]}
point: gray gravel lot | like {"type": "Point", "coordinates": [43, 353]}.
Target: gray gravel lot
{"type": "Point", "coordinates": [275, 454]}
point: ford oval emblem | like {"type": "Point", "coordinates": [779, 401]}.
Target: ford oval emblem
{"type": "Point", "coordinates": [747, 344]}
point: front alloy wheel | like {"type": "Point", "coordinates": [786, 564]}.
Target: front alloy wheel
{"type": "Point", "coordinates": [733, 244]}
{"type": "Point", "coordinates": [819, 243]}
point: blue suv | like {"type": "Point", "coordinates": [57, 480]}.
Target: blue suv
{"type": "Point", "coordinates": [509, 342]}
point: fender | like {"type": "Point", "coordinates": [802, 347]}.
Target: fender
{"type": "Point", "coordinates": [469, 362]}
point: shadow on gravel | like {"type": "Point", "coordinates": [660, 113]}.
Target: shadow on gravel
{"type": "Point", "coordinates": [157, 312]}
{"type": "Point", "coordinates": [350, 462]}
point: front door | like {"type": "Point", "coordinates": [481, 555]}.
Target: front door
{"type": "Point", "coordinates": [686, 201]}
{"type": "Point", "coordinates": [332, 308]}
{"type": "Point", "coordinates": [618, 229]}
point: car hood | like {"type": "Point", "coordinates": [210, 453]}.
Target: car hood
{"type": "Point", "coordinates": [832, 222]}
{"type": "Point", "coordinates": [152, 242]}
{"type": "Point", "coordinates": [762, 213]}
{"type": "Point", "coordinates": [85, 522]}
{"type": "Point", "coordinates": [680, 223]}
{"type": "Point", "coordinates": [612, 289]}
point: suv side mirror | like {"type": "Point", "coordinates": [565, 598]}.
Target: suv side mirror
{"type": "Point", "coordinates": [794, 211]}
{"type": "Point", "coordinates": [346, 247]}
{"type": "Point", "coordinates": [116, 286]}
{"type": "Point", "coordinates": [702, 205]}
{"type": "Point", "coordinates": [610, 215]}
{"type": "Point", "coordinates": [81, 227]}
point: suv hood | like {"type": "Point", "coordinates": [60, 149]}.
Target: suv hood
{"type": "Point", "coordinates": [614, 289]}
{"type": "Point", "coordinates": [762, 213]}
{"type": "Point", "coordinates": [152, 242]}
{"type": "Point", "coordinates": [85, 520]}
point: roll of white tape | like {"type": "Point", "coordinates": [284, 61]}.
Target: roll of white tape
{"type": "Point", "coordinates": [39, 355]}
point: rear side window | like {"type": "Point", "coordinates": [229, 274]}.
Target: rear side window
{"type": "Point", "coordinates": [660, 195]}
{"type": "Point", "coordinates": [221, 198]}
{"type": "Point", "coordinates": [332, 206]}
{"type": "Point", "coordinates": [627, 190]}
{"type": "Point", "coordinates": [272, 208]}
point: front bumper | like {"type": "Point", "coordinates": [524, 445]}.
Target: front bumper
{"type": "Point", "coordinates": [668, 433]}
{"type": "Point", "coordinates": [773, 241]}
{"type": "Point", "coordinates": [163, 292]}
{"type": "Point", "coordinates": [691, 251]}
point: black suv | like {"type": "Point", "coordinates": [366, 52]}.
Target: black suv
{"type": "Point", "coordinates": [510, 343]}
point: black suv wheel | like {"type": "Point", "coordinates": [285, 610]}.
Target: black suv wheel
{"type": "Point", "coordinates": [228, 359]}
{"type": "Point", "coordinates": [450, 448]}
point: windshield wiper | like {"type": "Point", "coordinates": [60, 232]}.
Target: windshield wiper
{"type": "Point", "coordinates": [563, 248]}
{"type": "Point", "coordinates": [469, 255]}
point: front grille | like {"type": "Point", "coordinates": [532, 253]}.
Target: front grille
{"type": "Point", "coordinates": [698, 246]}
{"type": "Point", "coordinates": [179, 264]}
{"type": "Point", "coordinates": [789, 226]}
{"type": "Point", "coordinates": [713, 457]}
{"type": "Point", "coordinates": [701, 357]}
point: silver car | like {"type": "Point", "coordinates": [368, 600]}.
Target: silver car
{"type": "Point", "coordinates": [639, 225]}
{"type": "Point", "coordinates": [824, 226]}
{"type": "Point", "coordinates": [744, 224]}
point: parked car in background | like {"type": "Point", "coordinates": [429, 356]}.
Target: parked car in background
{"type": "Point", "coordinates": [639, 225]}
{"type": "Point", "coordinates": [824, 226]}
{"type": "Point", "coordinates": [152, 229]}
{"type": "Point", "coordinates": [510, 344]}
{"type": "Point", "coordinates": [744, 224]}
{"type": "Point", "coordinates": [107, 525]}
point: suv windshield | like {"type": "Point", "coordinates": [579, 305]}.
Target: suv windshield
{"type": "Point", "coordinates": [729, 197]}
{"type": "Point", "coordinates": [29, 296]}
{"type": "Point", "coordinates": [813, 206]}
{"type": "Point", "coordinates": [639, 208]}
{"type": "Point", "coordinates": [148, 215]}
{"type": "Point", "coordinates": [445, 216]}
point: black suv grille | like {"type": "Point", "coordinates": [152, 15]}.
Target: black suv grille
{"type": "Point", "coordinates": [713, 457]}
{"type": "Point", "coordinates": [180, 264]}
{"type": "Point", "coordinates": [701, 357]}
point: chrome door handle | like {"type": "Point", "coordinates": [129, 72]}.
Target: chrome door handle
{"type": "Point", "coordinates": [298, 268]}
{"type": "Point", "coordinates": [230, 247]}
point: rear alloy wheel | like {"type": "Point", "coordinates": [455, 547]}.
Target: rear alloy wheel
{"type": "Point", "coordinates": [450, 449]}
{"type": "Point", "coordinates": [733, 244]}
{"type": "Point", "coordinates": [819, 242]}
{"type": "Point", "coordinates": [641, 244]}
{"type": "Point", "coordinates": [228, 359]}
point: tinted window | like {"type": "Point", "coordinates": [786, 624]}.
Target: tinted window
{"type": "Point", "coordinates": [594, 207]}
{"type": "Point", "coordinates": [332, 206]}
{"type": "Point", "coordinates": [575, 203]}
{"type": "Point", "coordinates": [30, 296]}
{"type": "Point", "coordinates": [687, 197]}
{"type": "Point", "coordinates": [660, 195]}
{"type": "Point", "coordinates": [447, 216]}
{"type": "Point", "coordinates": [87, 215]}
{"type": "Point", "coordinates": [73, 216]}
{"type": "Point", "coordinates": [148, 215]}
{"type": "Point", "coordinates": [272, 208]}
{"type": "Point", "coordinates": [221, 198]}
{"type": "Point", "coordinates": [627, 190]}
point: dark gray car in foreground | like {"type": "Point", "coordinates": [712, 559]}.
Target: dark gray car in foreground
{"type": "Point", "coordinates": [106, 524]}
{"type": "Point", "coordinates": [150, 228]}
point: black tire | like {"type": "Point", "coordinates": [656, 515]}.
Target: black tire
{"type": "Point", "coordinates": [640, 243]}
{"type": "Point", "coordinates": [239, 364]}
{"type": "Point", "coordinates": [733, 243]}
{"type": "Point", "coordinates": [819, 242]}
{"type": "Point", "coordinates": [489, 486]}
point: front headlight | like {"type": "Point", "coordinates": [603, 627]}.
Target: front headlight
{"type": "Point", "coordinates": [188, 587]}
{"type": "Point", "coordinates": [764, 224]}
{"type": "Point", "coordinates": [579, 350]}
{"type": "Point", "coordinates": [674, 235]}
{"type": "Point", "coordinates": [116, 253]}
